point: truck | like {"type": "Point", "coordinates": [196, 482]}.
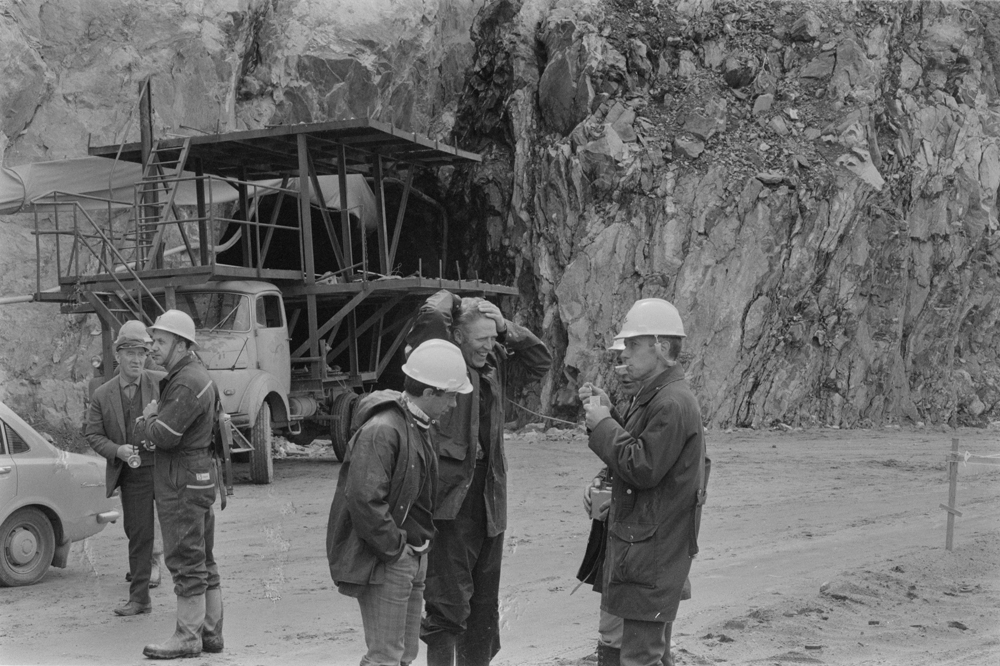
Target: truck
{"type": "Point", "coordinates": [291, 247]}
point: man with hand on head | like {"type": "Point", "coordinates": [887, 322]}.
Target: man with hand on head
{"type": "Point", "coordinates": [110, 430]}
{"type": "Point", "coordinates": [180, 428]}
{"type": "Point", "coordinates": [381, 525]}
{"type": "Point", "coordinates": [462, 621]}
{"type": "Point", "coordinates": [656, 458]}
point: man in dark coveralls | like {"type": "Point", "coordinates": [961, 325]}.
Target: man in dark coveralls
{"type": "Point", "coordinates": [657, 465]}
{"type": "Point", "coordinates": [110, 431]}
{"type": "Point", "coordinates": [462, 608]}
{"type": "Point", "coordinates": [180, 428]}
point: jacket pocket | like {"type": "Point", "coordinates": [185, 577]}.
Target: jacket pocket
{"type": "Point", "coordinates": [633, 552]}
{"type": "Point", "coordinates": [200, 482]}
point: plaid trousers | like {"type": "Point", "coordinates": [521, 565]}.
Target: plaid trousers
{"type": "Point", "coordinates": [390, 612]}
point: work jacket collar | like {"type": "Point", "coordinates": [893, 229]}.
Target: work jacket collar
{"type": "Point", "coordinates": [672, 374]}
{"type": "Point", "coordinates": [185, 360]}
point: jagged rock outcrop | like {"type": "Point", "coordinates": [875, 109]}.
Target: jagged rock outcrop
{"type": "Point", "coordinates": [71, 74]}
{"type": "Point", "coordinates": [814, 185]}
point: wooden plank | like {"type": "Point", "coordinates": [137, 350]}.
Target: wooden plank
{"type": "Point", "coordinates": [952, 495]}
{"type": "Point", "coordinates": [971, 458]}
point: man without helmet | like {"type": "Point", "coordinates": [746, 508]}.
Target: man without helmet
{"type": "Point", "coordinates": [110, 430]}
{"type": "Point", "coordinates": [180, 428]}
{"type": "Point", "coordinates": [656, 457]}
{"type": "Point", "coordinates": [462, 623]}
{"type": "Point", "coordinates": [381, 521]}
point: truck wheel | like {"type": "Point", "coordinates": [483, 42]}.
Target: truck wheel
{"type": "Point", "coordinates": [261, 465]}
{"type": "Point", "coordinates": [342, 412]}
{"type": "Point", "coordinates": [27, 544]}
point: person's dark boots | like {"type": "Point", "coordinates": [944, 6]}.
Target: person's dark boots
{"type": "Point", "coordinates": [186, 640]}
{"type": "Point", "coordinates": [608, 656]}
{"type": "Point", "coordinates": [441, 653]}
{"type": "Point", "coordinates": [211, 634]}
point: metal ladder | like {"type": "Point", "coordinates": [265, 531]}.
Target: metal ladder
{"type": "Point", "coordinates": [155, 208]}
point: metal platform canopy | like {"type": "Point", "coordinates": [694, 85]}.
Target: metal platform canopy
{"type": "Point", "coordinates": [137, 270]}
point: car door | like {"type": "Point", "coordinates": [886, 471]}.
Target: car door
{"type": "Point", "coordinates": [8, 473]}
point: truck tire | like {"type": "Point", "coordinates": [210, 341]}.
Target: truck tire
{"type": "Point", "coordinates": [27, 543]}
{"type": "Point", "coordinates": [342, 412]}
{"type": "Point", "coordinates": [261, 464]}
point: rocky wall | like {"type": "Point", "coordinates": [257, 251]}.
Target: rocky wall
{"type": "Point", "coordinates": [71, 73]}
{"type": "Point", "coordinates": [814, 185]}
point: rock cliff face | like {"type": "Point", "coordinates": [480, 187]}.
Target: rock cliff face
{"type": "Point", "coordinates": [71, 73]}
{"type": "Point", "coordinates": [814, 185]}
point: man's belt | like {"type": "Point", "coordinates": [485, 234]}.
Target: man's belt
{"type": "Point", "coordinates": [186, 452]}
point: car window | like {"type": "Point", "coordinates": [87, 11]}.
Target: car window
{"type": "Point", "coordinates": [15, 443]}
{"type": "Point", "coordinates": [269, 311]}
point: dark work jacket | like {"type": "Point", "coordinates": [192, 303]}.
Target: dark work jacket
{"type": "Point", "coordinates": [106, 429]}
{"type": "Point", "coordinates": [519, 356]}
{"type": "Point", "coordinates": [186, 409]}
{"type": "Point", "coordinates": [387, 461]}
{"type": "Point", "coordinates": [657, 462]}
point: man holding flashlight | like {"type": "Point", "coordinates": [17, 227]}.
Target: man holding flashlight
{"type": "Point", "coordinates": [110, 431]}
{"type": "Point", "coordinates": [656, 459]}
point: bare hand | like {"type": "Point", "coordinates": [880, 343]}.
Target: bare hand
{"type": "Point", "coordinates": [589, 389]}
{"type": "Point", "coordinates": [150, 410]}
{"type": "Point", "coordinates": [493, 312]}
{"type": "Point", "coordinates": [123, 452]}
{"type": "Point", "coordinates": [596, 483]}
{"type": "Point", "coordinates": [596, 414]}
{"type": "Point", "coordinates": [588, 501]}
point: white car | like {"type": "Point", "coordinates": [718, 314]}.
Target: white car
{"type": "Point", "coordinates": [49, 498]}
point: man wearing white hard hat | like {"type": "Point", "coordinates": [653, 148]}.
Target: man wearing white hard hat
{"type": "Point", "coordinates": [381, 520]}
{"type": "Point", "coordinates": [179, 427]}
{"type": "Point", "coordinates": [656, 457]}
{"type": "Point", "coordinates": [110, 431]}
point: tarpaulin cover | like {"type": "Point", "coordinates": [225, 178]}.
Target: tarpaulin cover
{"type": "Point", "coordinates": [81, 178]}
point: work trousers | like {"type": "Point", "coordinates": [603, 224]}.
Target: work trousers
{"type": "Point", "coordinates": [390, 612]}
{"type": "Point", "coordinates": [612, 627]}
{"type": "Point", "coordinates": [140, 524]}
{"type": "Point", "coordinates": [463, 586]}
{"type": "Point", "coordinates": [645, 643]}
{"type": "Point", "coordinates": [185, 485]}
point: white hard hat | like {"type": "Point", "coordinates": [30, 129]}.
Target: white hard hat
{"type": "Point", "coordinates": [651, 316]}
{"type": "Point", "coordinates": [440, 364]}
{"type": "Point", "coordinates": [617, 345]}
{"type": "Point", "coordinates": [176, 322]}
{"type": "Point", "coordinates": [132, 334]}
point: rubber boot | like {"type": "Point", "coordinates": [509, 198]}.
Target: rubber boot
{"type": "Point", "coordinates": [441, 653]}
{"type": "Point", "coordinates": [211, 635]}
{"type": "Point", "coordinates": [608, 656]}
{"type": "Point", "coordinates": [186, 641]}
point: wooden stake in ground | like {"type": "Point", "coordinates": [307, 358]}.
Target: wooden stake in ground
{"type": "Point", "coordinates": [952, 492]}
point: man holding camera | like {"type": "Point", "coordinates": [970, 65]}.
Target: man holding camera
{"type": "Point", "coordinates": [110, 431]}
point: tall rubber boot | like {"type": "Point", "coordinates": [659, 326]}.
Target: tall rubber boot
{"type": "Point", "coordinates": [608, 656]}
{"type": "Point", "coordinates": [186, 641]}
{"type": "Point", "coordinates": [441, 652]}
{"type": "Point", "coordinates": [211, 635]}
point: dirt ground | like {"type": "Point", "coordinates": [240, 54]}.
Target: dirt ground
{"type": "Point", "coordinates": [818, 546]}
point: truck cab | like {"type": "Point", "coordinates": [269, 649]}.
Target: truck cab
{"type": "Point", "coordinates": [243, 340]}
